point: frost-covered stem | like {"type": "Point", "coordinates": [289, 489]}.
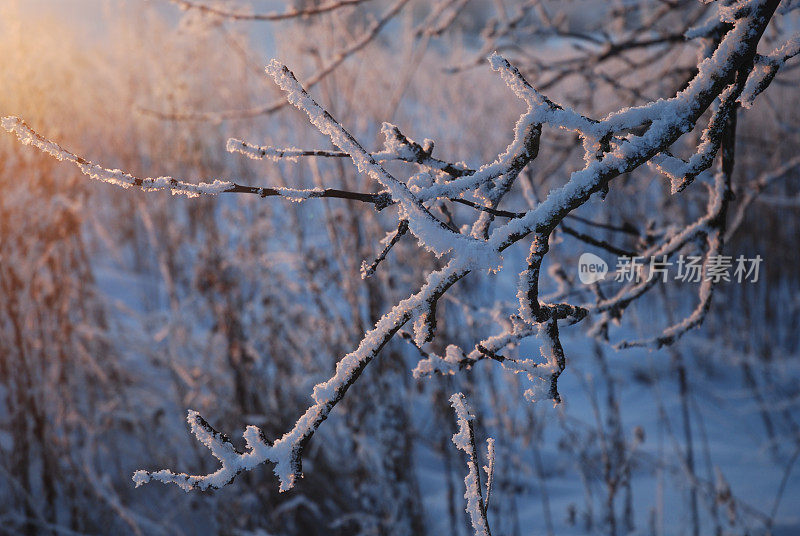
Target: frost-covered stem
{"type": "Point", "coordinates": [528, 293]}
{"type": "Point", "coordinates": [409, 151]}
{"type": "Point", "coordinates": [544, 375]}
{"type": "Point", "coordinates": [554, 353]}
{"type": "Point", "coordinates": [766, 69]}
{"type": "Point", "coordinates": [464, 440]}
{"type": "Point", "coordinates": [28, 136]}
{"type": "Point", "coordinates": [368, 269]}
{"type": "Point", "coordinates": [268, 152]}
{"type": "Point", "coordinates": [491, 455]}
{"type": "Point", "coordinates": [456, 359]}
{"type": "Point", "coordinates": [530, 308]}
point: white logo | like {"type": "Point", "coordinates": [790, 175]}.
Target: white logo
{"type": "Point", "coordinates": [591, 268]}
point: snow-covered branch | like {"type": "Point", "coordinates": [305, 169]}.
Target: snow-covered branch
{"type": "Point", "coordinates": [464, 440]}
{"type": "Point", "coordinates": [616, 144]}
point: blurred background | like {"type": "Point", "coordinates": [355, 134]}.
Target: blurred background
{"type": "Point", "coordinates": [119, 310]}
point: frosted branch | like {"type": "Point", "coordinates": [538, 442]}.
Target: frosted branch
{"type": "Point", "coordinates": [616, 144]}
{"type": "Point", "coordinates": [464, 440]}
{"type": "Point", "coordinates": [28, 136]}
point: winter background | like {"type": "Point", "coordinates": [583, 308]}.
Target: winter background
{"type": "Point", "coordinates": [122, 309]}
